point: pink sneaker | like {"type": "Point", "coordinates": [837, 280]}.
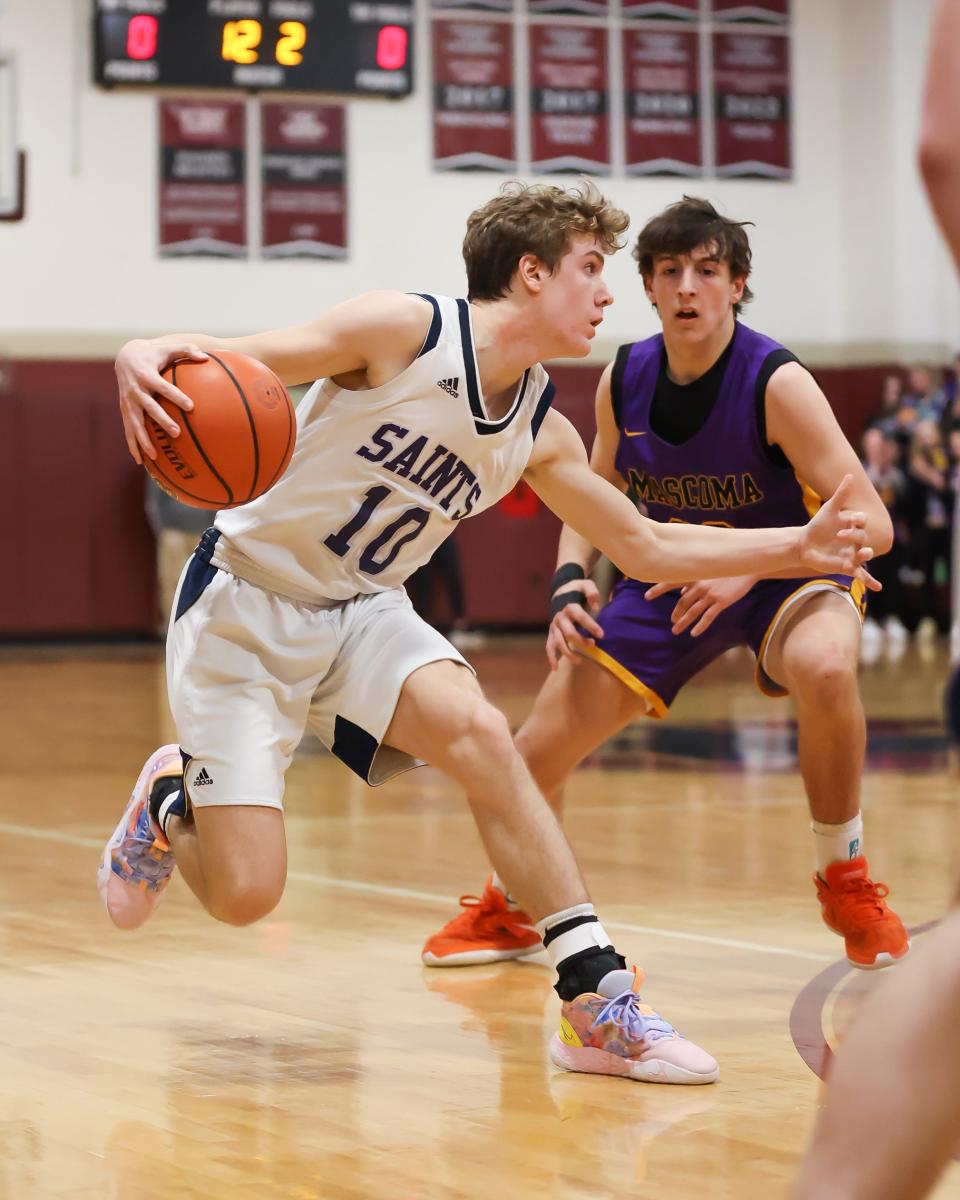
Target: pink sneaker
{"type": "Point", "coordinates": [614, 1033]}
{"type": "Point", "coordinates": [137, 860]}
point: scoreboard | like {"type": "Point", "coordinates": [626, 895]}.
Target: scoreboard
{"type": "Point", "coordinates": [353, 47]}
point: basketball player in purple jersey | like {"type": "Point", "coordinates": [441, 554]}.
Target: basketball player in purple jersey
{"type": "Point", "coordinates": [899, 1069]}
{"type": "Point", "coordinates": [708, 423]}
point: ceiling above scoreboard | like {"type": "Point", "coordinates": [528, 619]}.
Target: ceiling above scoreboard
{"type": "Point", "coordinates": [353, 47]}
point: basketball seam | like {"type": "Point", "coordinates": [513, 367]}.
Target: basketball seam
{"type": "Point", "coordinates": [153, 466]}
{"type": "Point", "coordinates": [291, 424]}
{"type": "Point", "coordinates": [253, 427]}
{"type": "Point", "coordinates": [185, 417]}
{"type": "Point", "coordinates": [180, 490]}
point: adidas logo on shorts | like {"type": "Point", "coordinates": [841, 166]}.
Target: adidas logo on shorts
{"type": "Point", "coordinates": [450, 386]}
{"type": "Point", "coordinates": [202, 778]}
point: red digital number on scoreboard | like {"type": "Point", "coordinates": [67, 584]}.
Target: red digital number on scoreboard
{"type": "Point", "coordinates": [142, 37]}
{"type": "Point", "coordinates": [391, 48]}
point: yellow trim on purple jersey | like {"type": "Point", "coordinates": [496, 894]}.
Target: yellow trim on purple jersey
{"type": "Point", "coordinates": [857, 593]}
{"type": "Point", "coordinates": [656, 705]}
{"type": "Point", "coordinates": [812, 501]}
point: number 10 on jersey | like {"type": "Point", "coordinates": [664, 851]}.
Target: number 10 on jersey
{"type": "Point", "coordinates": [404, 529]}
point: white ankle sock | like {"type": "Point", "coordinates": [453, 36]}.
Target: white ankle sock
{"type": "Point", "coordinates": [583, 932]}
{"type": "Point", "coordinates": [173, 802]}
{"type": "Point", "coordinates": [837, 843]}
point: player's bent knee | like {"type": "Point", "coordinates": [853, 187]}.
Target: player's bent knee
{"type": "Point", "coordinates": [530, 745]}
{"type": "Point", "coordinates": [831, 681]}
{"type": "Point", "coordinates": [243, 902]}
{"type": "Point", "coordinates": [238, 894]}
{"type": "Point", "coordinates": [548, 768]}
{"type": "Point", "coordinates": [243, 860]}
{"type": "Point", "coordinates": [490, 731]}
{"type": "Point", "coordinates": [483, 742]}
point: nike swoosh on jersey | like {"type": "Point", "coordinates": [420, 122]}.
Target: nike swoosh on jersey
{"type": "Point", "coordinates": [635, 432]}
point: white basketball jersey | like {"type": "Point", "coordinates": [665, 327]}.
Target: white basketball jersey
{"type": "Point", "coordinates": [380, 477]}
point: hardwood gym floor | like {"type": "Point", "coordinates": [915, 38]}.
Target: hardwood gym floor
{"type": "Point", "coordinates": [313, 1056]}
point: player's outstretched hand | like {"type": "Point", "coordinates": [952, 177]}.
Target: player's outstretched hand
{"type": "Point", "coordinates": [868, 581]}
{"type": "Point", "coordinates": [702, 601]}
{"type": "Point", "coordinates": [834, 541]}
{"type": "Point", "coordinates": [563, 636]}
{"type": "Point", "coordinates": [138, 366]}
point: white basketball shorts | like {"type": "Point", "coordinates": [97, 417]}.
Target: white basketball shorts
{"type": "Point", "coordinates": [248, 671]}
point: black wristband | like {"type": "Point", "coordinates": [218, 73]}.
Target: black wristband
{"type": "Point", "coordinates": [569, 573]}
{"type": "Point", "coordinates": [562, 599]}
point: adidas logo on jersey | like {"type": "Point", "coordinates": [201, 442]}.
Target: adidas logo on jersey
{"type": "Point", "coordinates": [202, 778]}
{"type": "Point", "coordinates": [450, 386]}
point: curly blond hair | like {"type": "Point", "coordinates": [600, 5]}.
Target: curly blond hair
{"type": "Point", "coordinates": [535, 219]}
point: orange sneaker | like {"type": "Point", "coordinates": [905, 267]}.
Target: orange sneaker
{"type": "Point", "coordinates": [487, 930]}
{"type": "Point", "coordinates": [853, 906]}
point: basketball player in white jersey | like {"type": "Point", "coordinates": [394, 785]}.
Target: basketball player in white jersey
{"type": "Point", "coordinates": [898, 1072]}
{"type": "Point", "coordinates": [292, 610]}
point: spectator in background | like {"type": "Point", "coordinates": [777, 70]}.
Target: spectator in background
{"type": "Point", "coordinates": [923, 399]}
{"type": "Point", "coordinates": [950, 418]}
{"type": "Point", "coordinates": [930, 508]}
{"type": "Point", "coordinates": [900, 408]}
{"type": "Point", "coordinates": [953, 455]}
{"type": "Point", "coordinates": [443, 571]}
{"type": "Point", "coordinates": [951, 380]}
{"type": "Point", "coordinates": [883, 628]}
{"type": "Point", "coordinates": [886, 416]}
{"type": "Point", "coordinates": [177, 529]}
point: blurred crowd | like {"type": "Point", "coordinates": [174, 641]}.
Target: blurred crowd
{"type": "Point", "coordinates": [911, 450]}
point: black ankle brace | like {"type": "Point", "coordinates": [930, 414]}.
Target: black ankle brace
{"type": "Point", "coordinates": [163, 788]}
{"type": "Point", "coordinates": [582, 972]}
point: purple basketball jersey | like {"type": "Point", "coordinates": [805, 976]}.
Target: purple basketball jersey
{"type": "Point", "coordinates": [724, 474]}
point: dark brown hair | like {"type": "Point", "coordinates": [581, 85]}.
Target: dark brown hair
{"type": "Point", "coordinates": [538, 219]}
{"type": "Point", "coordinates": [690, 223]}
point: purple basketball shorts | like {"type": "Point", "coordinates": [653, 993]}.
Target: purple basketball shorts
{"type": "Point", "coordinates": [638, 647]}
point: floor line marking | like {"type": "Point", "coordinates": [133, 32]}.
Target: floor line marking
{"type": "Point", "coordinates": [379, 889]}
{"type": "Point", "coordinates": [401, 893]}
{"type": "Point", "coordinates": [51, 835]}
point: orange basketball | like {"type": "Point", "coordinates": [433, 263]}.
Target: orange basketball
{"type": "Point", "coordinates": [235, 442]}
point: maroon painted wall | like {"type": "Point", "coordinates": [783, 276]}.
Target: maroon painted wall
{"type": "Point", "coordinates": [80, 555]}
{"type": "Point", "coordinates": [78, 551]}
{"type": "Point", "coordinates": [509, 553]}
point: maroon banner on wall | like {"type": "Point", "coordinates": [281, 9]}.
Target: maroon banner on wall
{"type": "Point", "coordinates": [569, 99]}
{"type": "Point", "coordinates": [576, 8]}
{"type": "Point", "coordinates": [502, 6]}
{"type": "Point", "coordinates": [303, 198]}
{"type": "Point", "coordinates": [751, 79]}
{"type": "Point", "coordinates": [775, 11]}
{"type": "Point", "coordinates": [203, 195]}
{"type": "Point", "coordinates": [473, 116]}
{"type": "Point", "coordinates": [661, 76]}
{"type": "Point", "coordinates": [681, 10]}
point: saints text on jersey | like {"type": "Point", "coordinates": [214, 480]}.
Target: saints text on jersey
{"type": "Point", "coordinates": [426, 463]}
